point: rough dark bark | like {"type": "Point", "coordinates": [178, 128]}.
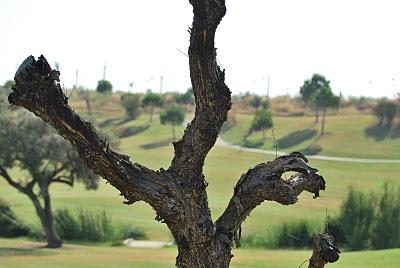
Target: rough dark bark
{"type": "Point", "coordinates": [324, 251]}
{"type": "Point", "coordinates": [178, 194]}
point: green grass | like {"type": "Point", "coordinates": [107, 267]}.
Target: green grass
{"type": "Point", "coordinates": [346, 135]}
{"type": "Point", "coordinates": [223, 168]}
{"type": "Point", "coordinates": [21, 253]}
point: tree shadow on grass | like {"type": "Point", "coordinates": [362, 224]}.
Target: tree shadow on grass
{"type": "Point", "coordinates": [108, 122]}
{"type": "Point", "coordinates": [296, 137]}
{"type": "Point", "coordinates": [11, 251]}
{"type": "Point", "coordinates": [130, 131]}
{"type": "Point", "coordinates": [380, 133]}
{"type": "Point", "coordinates": [157, 144]}
{"type": "Point", "coordinates": [312, 149]}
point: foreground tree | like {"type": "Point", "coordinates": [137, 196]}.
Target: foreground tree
{"type": "Point", "coordinates": [173, 115]}
{"type": "Point", "coordinates": [32, 146]}
{"type": "Point", "coordinates": [178, 194]}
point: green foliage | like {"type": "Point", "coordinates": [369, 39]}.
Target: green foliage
{"type": "Point", "coordinates": [262, 120]}
{"type": "Point", "coordinates": [30, 144]}
{"type": "Point", "coordinates": [255, 101]}
{"type": "Point", "coordinates": [131, 103]}
{"type": "Point", "coordinates": [386, 228]}
{"type": "Point", "coordinates": [325, 98]}
{"type": "Point", "coordinates": [185, 98]}
{"type": "Point", "coordinates": [312, 86]}
{"type": "Point", "coordinates": [10, 225]}
{"type": "Point", "coordinates": [386, 110]}
{"type": "Point", "coordinates": [8, 84]}
{"type": "Point", "coordinates": [104, 86]}
{"type": "Point", "coordinates": [85, 225]}
{"type": "Point", "coordinates": [295, 234]}
{"type": "Point", "coordinates": [173, 115]}
{"type": "Point", "coordinates": [152, 99]}
{"type": "Point", "coordinates": [356, 219]}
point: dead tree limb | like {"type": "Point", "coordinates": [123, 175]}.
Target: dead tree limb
{"type": "Point", "coordinates": [178, 194]}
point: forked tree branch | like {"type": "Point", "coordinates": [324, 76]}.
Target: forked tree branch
{"type": "Point", "coordinates": [212, 96]}
{"type": "Point", "coordinates": [38, 90]}
{"type": "Point", "coordinates": [265, 182]}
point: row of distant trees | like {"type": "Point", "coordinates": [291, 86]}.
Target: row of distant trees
{"type": "Point", "coordinates": [173, 114]}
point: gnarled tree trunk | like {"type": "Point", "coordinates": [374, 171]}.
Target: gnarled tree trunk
{"type": "Point", "coordinates": [177, 194]}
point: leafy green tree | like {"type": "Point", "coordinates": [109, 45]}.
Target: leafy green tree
{"type": "Point", "coordinates": [255, 102]}
{"type": "Point", "coordinates": [185, 99]}
{"type": "Point", "coordinates": [310, 89]}
{"type": "Point", "coordinates": [32, 146]}
{"type": "Point", "coordinates": [152, 100]}
{"type": "Point", "coordinates": [104, 86]}
{"type": "Point", "coordinates": [386, 110]}
{"type": "Point", "coordinates": [262, 121]}
{"type": "Point", "coordinates": [131, 103]}
{"type": "Point", "coordinates": [324, 98]}
{"type": "Point", "coordinates": [173, 115]}
{"type": "Point", "coordinates": [9, 83]}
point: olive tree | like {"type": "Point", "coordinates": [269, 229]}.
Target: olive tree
{"type": "Point", "coordinates": [32, 146]}
{"type": "Point", "coordinates": [173, 115]}
{"type": "Point", "coordinates": [309, 90]}
{"type": "Point", "coordinates": [178, 194]}
{"type": "Point", "coordinates": [152, 100]}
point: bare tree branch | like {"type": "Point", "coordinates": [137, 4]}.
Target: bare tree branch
{"type": "Point", "coordinates": [265, 182]}
{"type": "Point", "coordinates": [7, 177]}
{"type": "Point", "coordinates": [212, 96]}
{"type": "Point", "coordinates": [38, 90]}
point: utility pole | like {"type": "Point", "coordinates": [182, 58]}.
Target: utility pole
{"type": "Point", "coordinates": [104, 71]}
{"type": "Point", "coordinates": [268, 87]}
{"type": "Point", "coordinates": [76, 78]}
{"type": "Point", "coordinates": [161, 84]}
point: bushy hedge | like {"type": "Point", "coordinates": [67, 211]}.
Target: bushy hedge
{"type": "Point", "coordinates": [84, 225]}
{"type": "Point", "coordinates": [365, 221]}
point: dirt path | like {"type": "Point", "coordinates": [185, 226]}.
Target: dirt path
{"type": "Point", "coordinates": [221, 142]}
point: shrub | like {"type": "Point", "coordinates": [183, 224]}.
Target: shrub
{"type": "Point", "coordinates": [93, 227]}
{"type": "Point", "coordinates": [386, 228]}
{"type": "Point", "coordinates": [131, 103]}
{"type": "Point", "coordinates": [10, 225]}
{"type": "Point", "coordinates": [356, 219]}
{"type": "Point", "coordinates": [104, 86]}
{"type": "Point", "coordinates": [296, 234]}
{"type": "Point", "coordinates": [385, 110]}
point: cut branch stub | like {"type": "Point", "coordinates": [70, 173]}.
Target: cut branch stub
{"type": "Point", "coordinates": [265, 182]}
{"type": "Point", "coordinates": [324, 251]}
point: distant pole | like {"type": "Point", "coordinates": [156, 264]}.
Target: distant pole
{"type": "Point", "coordinates": [268, 87]}
{"type": "Point", "coordinates": [76, 78]}
{"type": "Point", "coordinates": [104, 71]}
{"type": "Point", "coordinates": [161, 84]}
{"type": "Point", "coordinates": [394, 87]}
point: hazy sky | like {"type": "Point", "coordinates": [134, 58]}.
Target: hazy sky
{"type": "Point", "coordinates": [354, 43]}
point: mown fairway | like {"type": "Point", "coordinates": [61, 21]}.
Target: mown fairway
{"type": "Point", "coordinates": [19, 253]}
{"type": "Point", "coordinates": [355, 135]}
{"type": "Point", "coordinates": [223, 168]}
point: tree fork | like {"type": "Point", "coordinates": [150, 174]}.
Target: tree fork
{"type": "Point", "coordinates": [178, 194]}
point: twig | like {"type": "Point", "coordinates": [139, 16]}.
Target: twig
{"type": "Point", "coordinates": [182, 52]}
{"type": "Point", "coordinates": [276, 145]}
{"type": "Point", "coordinates": [304, 262]}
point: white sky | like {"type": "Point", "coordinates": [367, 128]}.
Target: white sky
{"type": "Point", "coordinates": [354, 43]}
